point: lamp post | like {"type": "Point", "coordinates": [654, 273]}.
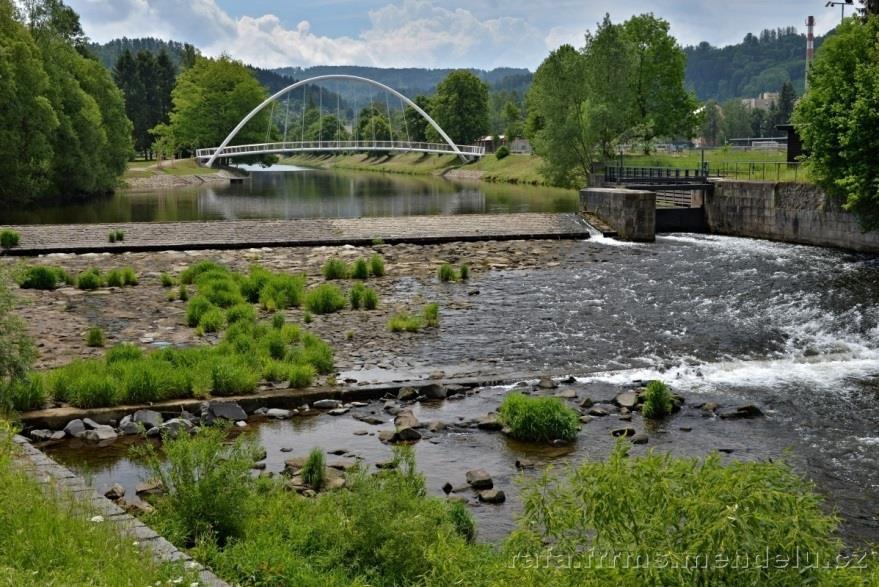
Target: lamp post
{"type": "Point", "coordinates": [842, 6]}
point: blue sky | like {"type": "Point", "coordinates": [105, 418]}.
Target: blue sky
{"type": "Point", "coordinates": [421, 33]}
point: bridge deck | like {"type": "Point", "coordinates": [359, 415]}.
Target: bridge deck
{"type": "Point", "coordinates": [238, 234]}
{"type": "Point", "coordinates": [340, 146]}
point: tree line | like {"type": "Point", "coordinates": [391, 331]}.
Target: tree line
{"type": "Point", "coordinates": [733, 119]}
{"type": "Point", "coordinates": [63, 128]}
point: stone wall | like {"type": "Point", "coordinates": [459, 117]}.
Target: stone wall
{"type": "Point", "coordinates": [789, 212]}
{"type": "Point", "coordinates": [631, 213]}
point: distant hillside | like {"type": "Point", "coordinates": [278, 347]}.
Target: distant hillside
{"type": "Point", "coordinates": [757, 64]}
{"type": "Point", "coordinates": [414, 81]}
{"type": "Point", "coordinates": [109, 52]}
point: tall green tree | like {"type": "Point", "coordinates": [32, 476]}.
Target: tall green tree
{"type": "Point", "coordinates": [787, 99]}
{"type": "Point", "coordinates": [210, 99]}
{"type": "Point", "coordinates": [460, 107]}
{"type": "Point", "coordinates": [561, 122]}
{"type": "Point", "coordinates": [512, 119]}
{"type": "Point", "coordinates": [736, 120]}
{"type": "Point", "coordinates": [838, 118]}
{"type": "Point", "coordinates": [27, 119]}
{"type": "Point", "coordinates": [415, 124]}
{"type": "Point", "coordinates": [662, 105]}
{"type": "Point", "coordinates": [54, 18]}
{"type": "Point", "coordinates": [609, 69]}
{"type": "Point", "coordinates": [713, 130]}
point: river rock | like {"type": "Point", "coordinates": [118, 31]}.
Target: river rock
{"type": "Point", "coordinates": [148, 418]}
{"type": "Point", "coordinates": [587, 403]}
{"type": "Point", "coordinates": [522, 464]}
{"type": "Point", "coordinates": [406, 419]}
{"type": "Point", "coordinates": [709, 407]}
{"type": "Point", "coordinates": [492, 496]}
{"type": "Point", "coordinates": [75, 428]}
{"type": "Point", "coordinates": [747, 411]}
{"type": "Point", "coordinates": [434, 391]}
{"type": "Point", "coordinates": [625, 432]}
{"type": "Point", "coordinates": [639, 438]}
{"type": "Point", "coordinates": [597, 412]}
{"type": "Point", "coordinates": [152, 487]}
{"type": "Point", "coordinates": [371, 420]}
{"type": "Point", "coordinates": [585, 419]}
{"type": "Point", "coordinates": [129, 428]}
{"type": "Point", "coordinates": [386, 435]}
{"type": "Point", "coordinates": [567, 393]}
{"type": "Point", "coordinates": [447, 488]}
{"type": "Point", "coordinates": [546, 382]}
{"type": "Point", "coordinates": [278, 414]}
{"type": "Point", "coordinates": [41, 435]}
{"type": "Point", "coordinates": [338, 411]}
{"type": "Point", "coordinates": [407, 394]}
{"type": "Point", "coordinates": [490, 422]}
{"type": "Point", "coordinates": [225, 410]}
{"type": "Point", "coordinates": [175, 426]}
{"type": "Point", "coordinates": [90, 424]}
{"type": "Point", "coordinates": [115, 493]}
{"type": "Point", "coordinates": [327, 404]}
{"type": "Point", "coordinates": [436, 426]}
{"type": "Point", "coordinates": [627, 399]}
{"type": "Point", "coordinates": [100, 434]}
{"type": "Point", "coordinates": [479, 479]}
{"type": "Point", "coordinates": [406, 435]}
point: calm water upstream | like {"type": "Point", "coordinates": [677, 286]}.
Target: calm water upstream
{"type": "Point", "coordinates": [793, 329]}
{"type": "Point", "coordinates": [295, 192]}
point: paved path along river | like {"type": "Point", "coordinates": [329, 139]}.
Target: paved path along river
{"type": "Point", "coordinates": [236, 234]}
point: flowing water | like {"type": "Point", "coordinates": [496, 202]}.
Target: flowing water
{"type": "Point", "coordinates": [792, 329]}
{"type": "Point", "coordinates": [296, 192]}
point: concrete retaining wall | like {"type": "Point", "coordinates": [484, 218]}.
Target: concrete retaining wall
{"type": "Point", "coordinates": [631, 213]}
{"type": "Point", "coordinates": [789, 212]}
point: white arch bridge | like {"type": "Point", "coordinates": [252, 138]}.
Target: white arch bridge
{"type": "Point", "coordinates": [400, 143]}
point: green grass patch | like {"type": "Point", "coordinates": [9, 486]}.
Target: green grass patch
{"type": "Point", "coordinates": [233, 377]}
{"type": "Point", "coordinates": [90, 279]}
{"type": "Point", "coordinates": [166, 279]}
{"type": "Point", "coordinates": [376, 265]}
{"type": "Point", "coordinates": [446, 273]}
{"type": "Point", "coordinates": [50, 540]}
{"type": "Point", "coordinates": [658, 401]}
{"type": "Point", "coordinates": [213, 320]}
{"type": "Point", "coordinates": [241, 313]}
{"type": "Point", "coordinates": [23, 394]}
{"type": "Point", "coordinates": [313, 473]}
{"type": "Point", "coordinates": [94, 337]}
{"type": "Point", "coordinates": [182, 293]}
{"type": "Point", "coordinates": [335, 269]}
{"type": "Point", "coordinates": [9, 238]}
{"type": "Point", "coordinates": [405, 322]}
{"type": "Point", "coordinates": [464, 272]}
{"type": "Point", "coordinates": [196, 308]}
{"type": "Point", "coordinates": [539, 419]}
{"type": "Point", "coordinates": [430, 313]}
{"type": "Point", "coordinates": [121, 277]}
{"type": "Point", "coordinates": [360, 269]}
{"type": "Point", "coordinates": [43, 277]}
{"type": "Point", "coordinates": [325, 298]}
{"type": "Point", "coordinates": [301, 376]}
{"type": "Point", "coordinates": [278, 321]}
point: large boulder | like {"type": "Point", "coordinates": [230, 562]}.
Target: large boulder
{"type": "Point", "coordinates": [327, 404]}
{"type": "Point", "coordinates": [75, 428]}
{"type": "Point", "coordinates": [479, 479]}
{"type": "Point", "coordinates": [176, 426]}
{"type": "Point", "coordinates": [627, 399]}
{"type": "Point", "coordinates": [434, 391]}
{"type": "Point", "coordinates": [406, 435]}
{"type": "Point", "coordinates": [149, 418]}
{"type": "Point", "coordinates": [100, 434]}
{"type": "Point", "coordinates": [407, 394]}
{"type": "Point", "coordinates": [279, 414]}
{"type": "Point", "coordinates": [224, 410]}
{"type": "Point", "coordinates": [406, 419]}
{"type": "Point", "coordinates": [492, 496]}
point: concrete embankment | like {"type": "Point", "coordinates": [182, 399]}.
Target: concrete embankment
{"type": "Point", "coordinates": [786, 212]}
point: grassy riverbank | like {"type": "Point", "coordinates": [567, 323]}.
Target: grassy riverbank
{"type": "Point", "coordinates": [50, 539]}
{"type": "Point", "coordinates": [519, 169]}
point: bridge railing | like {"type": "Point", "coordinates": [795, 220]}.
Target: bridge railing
{"type": "Point", "coordinates": [263, 148]}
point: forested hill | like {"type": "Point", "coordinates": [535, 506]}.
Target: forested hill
{"type": "Point", "coordinates": [414, 81]}
{"type": "Point", "coordinates": [757, 64]}
{"type": "Point", "coordinates": [109, 52]}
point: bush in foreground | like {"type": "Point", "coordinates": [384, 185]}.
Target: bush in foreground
{"type": "Point", "coordinates": [360, 270]}
{"type": "Point", "coordinates": [335, 269]}
{"type": "Point", "coordinates": [90, 279]}
{"type": "Point", "coordinates": [313, 473]}
{"type": "Point", "coordinates": [43, 277]}
{"type": "Point", "coordinates": [376, 266]}
{"type": "Point", "coordinates": [539, 419]}
{"type": "Point", "coordinates": [23, 394]}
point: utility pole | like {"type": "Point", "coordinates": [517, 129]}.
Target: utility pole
{"type": "Point", "coordinates": [841, 5]}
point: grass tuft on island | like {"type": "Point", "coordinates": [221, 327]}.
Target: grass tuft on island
{"type": "Point", "coordinates": [539, 419]}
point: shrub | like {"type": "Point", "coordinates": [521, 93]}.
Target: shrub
{"type": "Point", "coordinates": [23, 394]}
{"type": "Point", "coordinates": [93, 389]}
{"type": "Point", "coordinates": [404, 322]}
{"type": "Point", "coordinates": [43, 277]}
{"type": "Point", "coordinates": [376, 266]}
{"type": "Point", "coordinates": [275, 371]}
{"type": "Point", "coordinates": [301, 376]}
{"type": "Point", "coordinates": [212, 320]}
{"type": "Point", "coordinates": [464, 272]}
{"type": "Point", "coordinates": [89, 279]}
{"type": "Point", "coordinates": [313, 472]}
{"type": "Point", "coordinates": [539, 419]}
{"type": "Point", "coordinates": [307, 317]}
{"type": "Point", "coordinates": [313, 351]}
{"type": "Point", "coordinates": [123, 352]}
{"type": "Point", "coordinates": [220, 288]}
{"type": "Point", "coordinates": [431, 315]}
{"type": "Point", "coordinates": [183, 293]}
{"type": "Point", "coordinates": [196, 308]}
{"type": "Point", "coordinates": [120, 236]}
{"type": "Point", "coordinates": [378, 241]}
{"type": "Point", "coordinates": [207, 484]}
{"type": "Point", "coordinates": [190, 274]}
{"type": "Point", "coordinates": [166, 280]}
{"type": "Point", "coordinates": [114, 278]}
{"type": "Point", "coordinates": [275, 345]}
{"type": "Point", "coordinates": [278, 321]}
{"type": "Point", "coordinates": [282, 291]}
{"type": "Point", "coordinates": [462, 520]}
{"type": "Point", "coordinates": [682, 507]}
{"type": "Point", "coordinates": [335, 269]}
{"type": "Point", "coordinates": [446, 273]}
{"type": "Point", "coordinates": [150, 380]}
{"type": "Point", "coordinates": [325, 299]}
{"type": "Point", "coordinates": [9, 238]}
{"type": "Point", "coordinates": [502, 153]}
{"type": "Point", "coordinates": [657, 400]}
{"type": "Point", "coordinates": [291, 333]}
{"type": "Point", "coordinates": [94, 337]}
{"type": "Point", "coordinates": [370, 299]}
{"type": "Point", "coordinates": [232, 376]}
{"type": "Point", "coordinates": [254, 282]}
{"type": "Point", "coordinates": [111, 238]}
{"type": "Point", "coordinates": [129, 277]}
{"type": "Point", "coordinates": [356, 295]}
{"type": "Point", "coordinates": [360, 270]}
{"type": "Point", "coordinates": [240, 313]}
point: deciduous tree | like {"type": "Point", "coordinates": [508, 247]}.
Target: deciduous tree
{"type": "Point", "coordinates": [460, 107]}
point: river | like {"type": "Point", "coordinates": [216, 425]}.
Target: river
{"type": "Point", "coordinates": [284, 191]}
